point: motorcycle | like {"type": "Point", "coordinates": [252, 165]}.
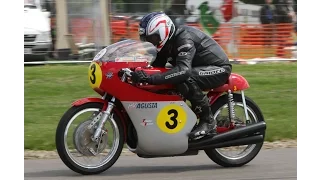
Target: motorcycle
{"type": "Point", "coordinates": [152, 121]}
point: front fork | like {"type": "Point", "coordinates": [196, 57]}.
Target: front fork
{"type": "Point", "coordinates": [231, 107]}
{"type": "Point", "coordinates": [103, 116]}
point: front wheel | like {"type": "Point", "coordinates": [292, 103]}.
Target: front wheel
{"type": "Point", "coordinates": [74, 144]}
{"type": "Point", "coordinates": [249, 152]}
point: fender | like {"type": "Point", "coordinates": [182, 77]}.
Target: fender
{"type": "Point", "coordinates": [213, 96]}
{"type": "Point", "coordinates": [235, 82]}
{"type": "Point", "coordinates": [82, 101]}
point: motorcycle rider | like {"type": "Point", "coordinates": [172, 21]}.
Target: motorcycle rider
{"type": "Point", "coordinates": [198, 62]}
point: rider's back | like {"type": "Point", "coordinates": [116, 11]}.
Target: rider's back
{"type": "Point", "coordinates": [208, 51]}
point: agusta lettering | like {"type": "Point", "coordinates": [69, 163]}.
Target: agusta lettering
{"type": "Point", "coordinates": [146, 105]}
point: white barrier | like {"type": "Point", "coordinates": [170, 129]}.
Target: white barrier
{"type": "Point", "coordinates": [252, 61]}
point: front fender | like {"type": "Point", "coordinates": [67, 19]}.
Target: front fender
{"type": "Point", "coordinates": [82, 101]}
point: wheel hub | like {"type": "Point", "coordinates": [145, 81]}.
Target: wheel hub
{"type": "Point", "coordinates": [84, 144]}
{"type": "Point", "coordinates": [223, 121]}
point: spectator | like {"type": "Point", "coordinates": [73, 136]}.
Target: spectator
{"type": "Point", "coordinates": [285, 11]}
{"type": "Point", "coordinates": [51, 6]}
{"type": "Point", "coordinates": [267, 19]}
{"type": "Point", "coordinates": [267, 13]}
{"type": "Point", "coordinates": [177, 12]}
{"type": "Point", "coordinates": [286, 18]}
{"type": "Point", "coordinates": [293, 13]}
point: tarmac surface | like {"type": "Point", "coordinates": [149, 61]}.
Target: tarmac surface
{"type": "Point", "coordinates": [275, 164]}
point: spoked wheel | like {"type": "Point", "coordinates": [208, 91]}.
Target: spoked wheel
{"type": "Point", "coordinates": [237, 155]}
{"type": "Point", "coordinates": [74, 144]}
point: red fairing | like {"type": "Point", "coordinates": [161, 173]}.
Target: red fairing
{"type": "Point", "coordinates": [151, 71]}
{"type": "Point", "coordinates": [235, 83]}
{"type": "Point", "coordinates": [127, 92]}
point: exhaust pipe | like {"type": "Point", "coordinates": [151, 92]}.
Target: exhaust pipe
{"type": "Point", "coordinates": [237, 142]}
{"type": "Point", "coordinates": [230, 135]}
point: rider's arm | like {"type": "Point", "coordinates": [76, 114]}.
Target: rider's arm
{"type": "Point", "coordinates": [182, 71]}
{"type": "Point", "coordinates": [159, 61]}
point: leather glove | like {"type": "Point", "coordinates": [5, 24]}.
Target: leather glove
{"type": "Point", "coordinates": [140, 77]}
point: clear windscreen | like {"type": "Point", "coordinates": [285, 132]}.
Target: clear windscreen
{"type": "Point", "coordinates": [127, 51]}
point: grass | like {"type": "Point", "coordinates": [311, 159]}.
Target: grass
{"type": "Point", "coordinates": [50, 89]}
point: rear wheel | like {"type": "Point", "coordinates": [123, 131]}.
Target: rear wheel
{"type": "Point", "coordinates": [74, 144]}
{"type": "Point", "coordinates": [220, 112]}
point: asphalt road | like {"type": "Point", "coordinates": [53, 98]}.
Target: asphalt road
{"type": "Point", "coordinates": [272, 164]}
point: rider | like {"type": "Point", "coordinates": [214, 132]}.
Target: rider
{"type": "Point", "coordinates": [199, 63]}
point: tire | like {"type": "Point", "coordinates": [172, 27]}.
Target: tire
{"type": "Point", "coordinates": [61, 149]}
{"type": "Point", "coordinates": [227, 162]}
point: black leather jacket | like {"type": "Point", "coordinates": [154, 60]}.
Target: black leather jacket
{"type": "Point", "coordinates": [188, 48]}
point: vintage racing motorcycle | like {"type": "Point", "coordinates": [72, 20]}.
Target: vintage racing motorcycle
{"type": "Point", "coordinates": [152, 121]}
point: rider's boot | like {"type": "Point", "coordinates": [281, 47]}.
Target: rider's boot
{"type": "Point", "coordinates": [206, 123]}
{"type": "Point", "coordinates": [201, 106]}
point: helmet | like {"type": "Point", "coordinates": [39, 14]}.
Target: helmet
{"type": "Point", "coordinates": [156, 28]}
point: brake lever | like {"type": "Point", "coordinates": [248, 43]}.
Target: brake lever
{"type": "Point", "coordinates": [128, 72]}
{"type": "Point", "coordinates": [125, 71]}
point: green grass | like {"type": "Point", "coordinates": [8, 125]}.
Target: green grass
{"type": "Point", "coordinates": [50, 90]}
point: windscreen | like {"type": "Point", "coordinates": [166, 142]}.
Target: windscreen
{"type": "Point", "coordinates": [127, 51]}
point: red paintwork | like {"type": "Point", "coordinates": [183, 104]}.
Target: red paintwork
{"type": "Point", "coordinates": [82, 101]}
{"type": "Point", "coordinates": [127, 92]}
{"type": "Point", "coordinates": [225, 129]}
{"type": "Point", "coordinates": [236, 82]}
{"type": "Point", "coordinates": [88, 100]}
{"type": "Point", "coordinates": [151, 71]}
{"type": "Point", "coordinates": [222, 129]}
{"type": "Point", "coordinates": [124, 91]}
{"type": "Point", "coordinates": [213, 97]}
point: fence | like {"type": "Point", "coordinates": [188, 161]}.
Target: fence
{"type": "Point", "coordinates": [235, 25]}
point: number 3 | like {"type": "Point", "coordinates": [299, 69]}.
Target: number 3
{"type": "Point", "coordinates": [93, 76]}
{"type": "Point", "coordinates": [173, 118]}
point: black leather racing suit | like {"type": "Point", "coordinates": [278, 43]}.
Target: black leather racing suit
{"type": "Point", "coordinates": [198, 63]}
{"type": "Point", "coordinates": [193, 54]}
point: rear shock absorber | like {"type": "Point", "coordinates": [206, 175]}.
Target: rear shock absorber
{"type": "Point", "coordinates": [231, 106]}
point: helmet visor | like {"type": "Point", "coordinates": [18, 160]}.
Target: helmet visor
{"type": "Point", "coordinates": [154, 39]}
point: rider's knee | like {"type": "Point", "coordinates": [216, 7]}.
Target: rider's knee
{"type": "Point", "coordinates": [187, 88]}
{"type": "Point", "coordinates": [183, 89]}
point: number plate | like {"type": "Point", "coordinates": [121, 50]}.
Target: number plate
{"type": "Point", "coordinates": [27, 51]}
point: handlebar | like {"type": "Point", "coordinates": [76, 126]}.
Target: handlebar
{"type": "Point", "coordinates": [127, 71]}
{"type": "Point", "coordinates": [124, 73]}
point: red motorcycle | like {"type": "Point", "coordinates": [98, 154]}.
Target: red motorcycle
{"type": "Point", "coordinates": [152, 120]}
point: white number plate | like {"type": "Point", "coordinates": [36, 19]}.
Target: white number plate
{"type": "Point", "coordinates": [27, 51]}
